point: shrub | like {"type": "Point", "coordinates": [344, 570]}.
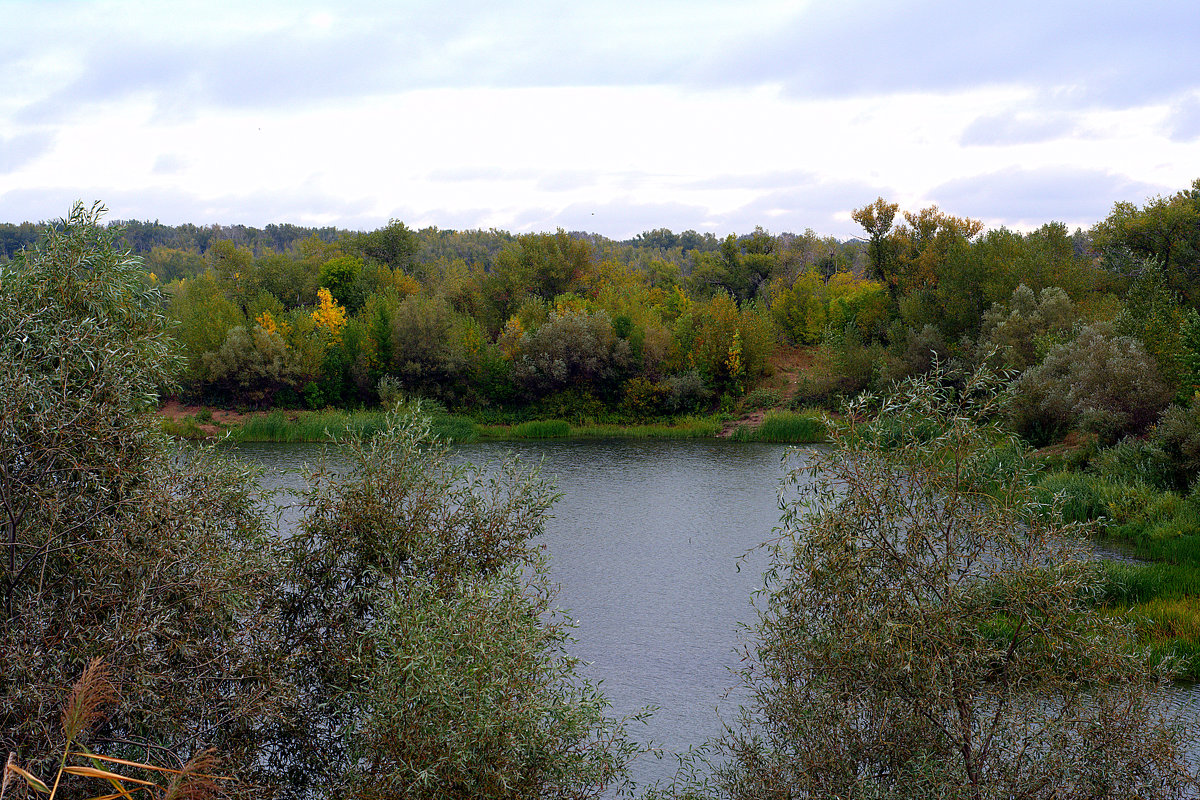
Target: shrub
{"type": "Point", "coordinates": [1101, 383]}
{"type": "Point", "coordinates": [426, 357]}
{"type": "Point", "coordinates": [118, 544]}
{"type": "Point", "coordinates": [927, 632]}
{"type": "Point", "coordinates": [762, 398]}
{"type": "Point", "coordinates": [1013, 334]}
{"type": "Point", "coordinates": [913, 352]}
{"type": "Point", "coordinates": [419, 609]}
{"type": "Point", "coordinates": [688, 392]}
{"type": "Point", "coordinates": [572, 349]}
{"type": "Point", "coordinates": [390, 392]}
{"type": "Point", "coordinates": [250, 367]}
{"type": "Point", "coordinates": [1177, 434]}
{"type": "Point", "coordinates": [1134, 460]}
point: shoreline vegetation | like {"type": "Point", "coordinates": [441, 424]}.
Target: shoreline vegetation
{"type": "Point", "coordinates": [203, 423]}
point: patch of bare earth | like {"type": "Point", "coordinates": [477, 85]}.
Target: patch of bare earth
{"type": "Point", "coordinates": [222, 418]}
{"type": "Point", "coordinates": [785, 368]}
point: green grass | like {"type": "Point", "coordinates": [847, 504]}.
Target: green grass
{"type": "Point", "coordinates": [185, 428]}
{"type": "Point", "coordinates": [784, 426]}
{"type": "Point", "coordinates": [319, 426]}
{"type": "Point", "coordinates": [542, 429]}
{"type": "Point", "coordinates": [684, 428]}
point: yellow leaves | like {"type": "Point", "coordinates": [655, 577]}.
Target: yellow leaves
{"type": "Point", "coordinates": [733, 359]}
{"type": "Point", "coordinates": [268, 323]}
{"type": "Point", "coordinates": [329, 316]}
{"type": "Point", "coordinates": [405, 284]}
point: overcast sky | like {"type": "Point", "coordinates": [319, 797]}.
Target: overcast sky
{"type": "Point", "coordinates": [613, 117]}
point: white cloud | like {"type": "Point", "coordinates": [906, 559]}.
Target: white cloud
{"type": "Point", "coordinates": [597, 114]}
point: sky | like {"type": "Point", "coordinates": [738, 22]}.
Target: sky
{"type": "Point", "coordinates": [609, 117]}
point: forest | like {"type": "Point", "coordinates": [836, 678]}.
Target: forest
{"type": "Point", "coordinates": [980, 384]}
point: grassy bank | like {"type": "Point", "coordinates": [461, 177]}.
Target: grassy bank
{"type": "Point", "coordinates": [319, 426]}
{"type": "Point", "coordinates": [790, 427]}
{"type": "Point", "coordinates": [1161, 528]}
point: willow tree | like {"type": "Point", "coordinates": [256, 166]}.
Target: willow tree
{"type": "Point", "coordinates": [929, 630]}
{"type": "Point", "coordinates": [115, 545]}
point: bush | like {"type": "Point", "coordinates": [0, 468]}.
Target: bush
{"type": "Point", "coordinates": [117, 544]}
{"type": "Point", "coordinates": [426, 357]}
{"type": "Point", "coordinates": [572, 349]}
{"type": "Point", "coordinates": [1134, 460]}
{"type": "Point", "coordinates": [1100, 383]}
{"type": "Point", "coordinates": [250, 367]}
{"type": "Point", "coordinates": [762, 398]}
{"type": "Point", "coordinates": [1177, 434]}
{"type": "Point", "coordinates": [1013, 335]}
{"type": "Point", "coordinates": [927, 632]}
{"type": "Point", "coordinates": [913, 352]}
{"type": "Point", "coordinates": [688, 392]}
{"type": "Point", "coordinates": [419, 609]}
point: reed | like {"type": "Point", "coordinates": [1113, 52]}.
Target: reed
{"type": "Point", "coordinates": [686, 428]}
{"type": "Point", "coordinates": [542, 429]}
{"type": "Point", "coordinates": [784, 426]}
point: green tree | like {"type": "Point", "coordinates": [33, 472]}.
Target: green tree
{"type": "Point", "coordinates": [876, 219]}
{"type": "Point", "coordinates": [116, 544]}
{"type": "Point", "coordinates": [341, 277]}
{"type": "Point", "coordinates": [738, 268]}
{"type": "Point", "coordinates": [1166, 229]}
{"type": "Point", "coordinates": [928, 632]}
{"type": "Point", "coordinates": [541, 265]}
{"type": "Point", "coordinates": [394, 245]}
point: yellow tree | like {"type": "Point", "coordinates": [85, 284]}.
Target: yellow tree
{"type": "Point", "coordinates": [329, 316]}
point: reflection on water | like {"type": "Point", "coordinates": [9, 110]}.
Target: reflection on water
{"type": "Point", "coordinates": [654, 547]}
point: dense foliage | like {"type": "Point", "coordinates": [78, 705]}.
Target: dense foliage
{"type": "Point", "coordinates": [928, 630]}
{"type": "Point", "coordinates": [403, 644]}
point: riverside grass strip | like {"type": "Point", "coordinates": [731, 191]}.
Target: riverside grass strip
{"type": "Point", "coordinates": [790, 427]}
{"type": "Point", "coordinates": [319, 426]}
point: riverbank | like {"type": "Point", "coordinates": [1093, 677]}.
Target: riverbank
{"type": "Point", "coordinates": [200, 422]}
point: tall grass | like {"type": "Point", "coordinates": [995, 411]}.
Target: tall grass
{"type": "Point", "coordinates": [683, 428]}
{"type": "Point", "coordinates": [784, 426]}
{"type": "Point", "coordinates": [686, 428]}
{"type": "Point", "coordinates": [542, 429]}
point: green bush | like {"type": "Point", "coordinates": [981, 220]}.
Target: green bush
{"type": "Point", "coordinates": [572, 349]}
{"type": "Point", "coordinates": [1177, 434]}
{"type": "Point", "coordinates": [421, 620]}
{"type": "Point", "coordinates": [1099, 383]}
{"type": "Point", "coordinates": [762, 398]}
{"type": "Point", "coordinates": [1134, 460]}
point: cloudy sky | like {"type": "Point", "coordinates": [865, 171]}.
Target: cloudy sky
{"type": "Point", "coordinates": [614, 117]}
